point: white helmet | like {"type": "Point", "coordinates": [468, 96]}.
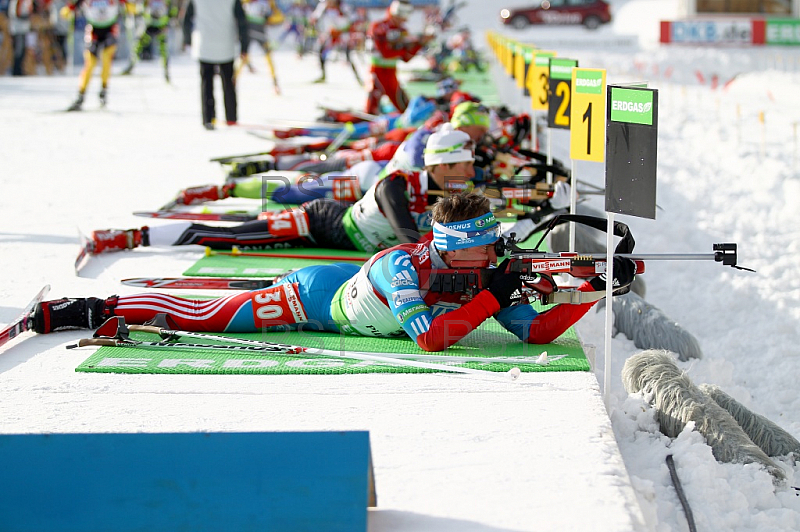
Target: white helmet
{"type": "Point", "coordinates": [401, 9]}
{"type": "Point", "coordinates": [448, 145]}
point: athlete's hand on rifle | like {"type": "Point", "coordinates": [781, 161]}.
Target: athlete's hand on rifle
{"type": "Point", "coordinates": [624, 274]}
{"type": "Point", "coordinates": [506, 287]}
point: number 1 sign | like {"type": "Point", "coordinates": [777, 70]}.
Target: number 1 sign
{"type": "Point", "coordinates": [587, 125]}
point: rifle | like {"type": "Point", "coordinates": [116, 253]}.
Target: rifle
{"type": "Point", "coordinates": [539, 267]}
{"type": "Point", "coordinates": [286, 148]}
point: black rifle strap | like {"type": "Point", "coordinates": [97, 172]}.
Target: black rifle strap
{"type": "Point", "coordinates": [621, 230]}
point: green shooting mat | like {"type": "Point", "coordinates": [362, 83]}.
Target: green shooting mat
{"type": "Point", "coordinates": [478, 83]}
{"type": "Point", "coordinates": [488, 340]}
{"type": "Point", "coordinates": [268, 266]}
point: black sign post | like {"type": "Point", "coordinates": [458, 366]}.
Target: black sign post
{"type": "Point", "coordinates": [631, 141]}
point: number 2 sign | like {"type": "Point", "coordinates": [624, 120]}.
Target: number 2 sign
{"type": "Point", "coordinates": [560, 92]}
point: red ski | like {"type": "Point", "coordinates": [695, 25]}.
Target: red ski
{"type": "Point", "coordinates": [199, 216]}
{"type": "Point", "coordinates": [202, 283]}
{"type": "Point", "coordinates": [22, 323]}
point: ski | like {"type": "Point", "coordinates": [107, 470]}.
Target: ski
{"type": "Point", "coordinates": [22, 323]}
{"type": "Point", "coordinates": [199, 216]}
{"type": "Point", "coordinates": [283, 148]}
{"type": "Point", "coordinates": [335, 114]}
{"type": "Point", "coordinates": [87, 247]}
{"type": "Point", "coordinates": [115, 333]}
{"type": "Point", "coordinates": [202, 283]}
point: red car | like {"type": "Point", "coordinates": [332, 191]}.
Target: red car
{"type": "Point", "coordinates": [590, 13]}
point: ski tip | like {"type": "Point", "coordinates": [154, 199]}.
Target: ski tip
{"type": "Point", "coordinates": [83, 254]}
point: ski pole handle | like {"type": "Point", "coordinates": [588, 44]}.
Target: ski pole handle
{"type": "Point", "coordinates": [86, 342]}
{"type": "Point", "coordinates": [146, 329]}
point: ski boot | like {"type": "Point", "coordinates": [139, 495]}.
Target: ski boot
{"type": "Point", "coordinates": [321, 79]}
{"type": "Point", "coordinates": [166, 76]}
{"type": "Point", "coordinates": [128, 70]}
{"type": "Point", "coordinates": [77, 104]}
{"type": "Point", "coordinates": [106, 240]}
{"type": "Point", "coordinates": [210, 126]}
{"type": "Point", "coordinates": [103, 97]}
{"type": "Point", "coordinates": [63, 314]}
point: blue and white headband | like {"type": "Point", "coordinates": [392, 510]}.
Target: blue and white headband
{"type": "Point", "coordinates": [478, 231]}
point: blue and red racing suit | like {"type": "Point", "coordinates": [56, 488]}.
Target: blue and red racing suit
{"type": "Point", "coordinates": [383, 298]}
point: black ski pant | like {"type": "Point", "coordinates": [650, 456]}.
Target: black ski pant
{"type": "Point", "coordinates": [324, 225]}
{"type": "Point", "coordinates": [207, 72]}
{"type": "Point", "coordinates": [19, 54]}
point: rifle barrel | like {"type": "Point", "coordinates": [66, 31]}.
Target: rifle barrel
{"type": "Point", "coordinates": [660, 256]}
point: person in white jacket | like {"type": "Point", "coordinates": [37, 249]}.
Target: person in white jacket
{"type": "Point", "coordinates": [211, 27]}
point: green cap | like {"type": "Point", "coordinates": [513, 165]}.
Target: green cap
{"type": "Point", "coordinates": [470, 114]}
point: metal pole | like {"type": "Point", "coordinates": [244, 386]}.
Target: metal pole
{"type": "Point", "coordinates": [573, 202]}
{"type": "Point", "coordinates": [549, 154]}
{"type": "Point", "coordinates": [609, 312]}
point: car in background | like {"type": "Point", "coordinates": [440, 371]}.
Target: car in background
{"type": "Point", "coordinates": [590, 13]}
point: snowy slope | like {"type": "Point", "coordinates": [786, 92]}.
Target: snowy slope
{"type": "Point", "coordinates": [443, 446]}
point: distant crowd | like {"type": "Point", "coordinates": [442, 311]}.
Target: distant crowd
{"type": "Point", "coordinates": [35, 35]}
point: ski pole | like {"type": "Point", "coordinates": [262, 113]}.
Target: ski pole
{"type": "Point", "coordinates": [277, 349]}
{"type": "Point", "coordinates": [114, 333]}
{"type": "Point", "coordinates": [169, 334]}
{"type": "Point", "coordinates": [338, 141]}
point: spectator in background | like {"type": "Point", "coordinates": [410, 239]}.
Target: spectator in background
{"type": "Point", "coordinates": [6, 48]}
{"type": "Point", "coordinates": [19, 16]}
{"type": "Point", "coordinates": [60, 29]}
{"type": "Point", "coordinates": [211, 27]}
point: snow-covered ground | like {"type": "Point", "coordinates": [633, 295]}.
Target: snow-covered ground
{"type": "Point", "coordinates": [450, 453]}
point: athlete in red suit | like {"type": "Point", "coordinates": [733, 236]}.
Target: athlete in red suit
{"type": "Point", "coordinates": [390, 43]}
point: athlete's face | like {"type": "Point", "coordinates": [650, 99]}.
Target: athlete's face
{"type": "Point", "coordinates": [485, 255]}
{"type": "Point", "coordinates": [475, 132]}
{"type": "Point", "coordinates": [441, 173]}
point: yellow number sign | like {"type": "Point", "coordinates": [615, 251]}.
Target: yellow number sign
{"type": "Point", "coordinates": [539, 80]}
{"type": "Point", "coordinates": [588, 115]}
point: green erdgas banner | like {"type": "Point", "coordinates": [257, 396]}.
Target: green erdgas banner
{"type": "Point", "coordinates": [783, 32]}
{"type": "Point", "coordinates": [631, 106]}
{"type": "Point", "coordinates": [588, 82]}
{"type": "Point", "coordinates": [561, 68]}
